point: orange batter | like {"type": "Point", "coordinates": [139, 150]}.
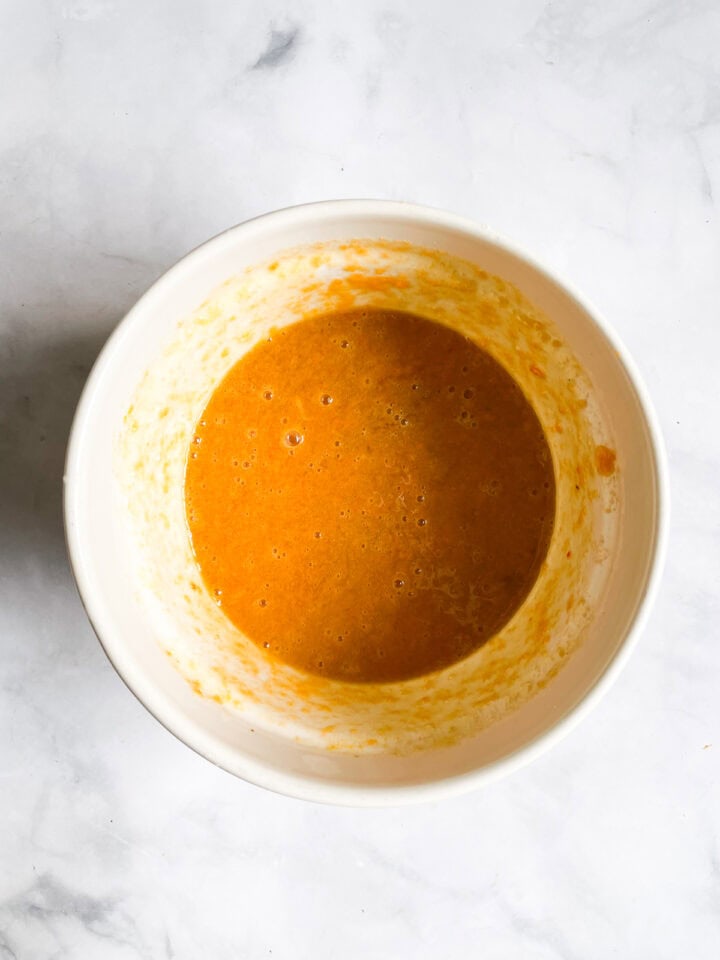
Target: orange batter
{"type": "Point", "coordinates": [370, 496]}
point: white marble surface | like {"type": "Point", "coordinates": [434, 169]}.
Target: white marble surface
{"type": "Point", "coordinates": [587, 131]}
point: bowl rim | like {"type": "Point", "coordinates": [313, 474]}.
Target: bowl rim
{"type": "Point", "coordinates": [194, 735]}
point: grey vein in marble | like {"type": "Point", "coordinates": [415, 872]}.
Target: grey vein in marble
{"type": "Point", "coordinates": [280, 49]}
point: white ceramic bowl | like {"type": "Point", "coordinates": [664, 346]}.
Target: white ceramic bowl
{"type": "Point", "coordinates": [128, 543]}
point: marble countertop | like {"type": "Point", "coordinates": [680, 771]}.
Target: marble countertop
{"type": "Point", "coordinates": [589, 132]}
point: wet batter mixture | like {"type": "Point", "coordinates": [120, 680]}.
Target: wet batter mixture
{"type": "Point", "coordinates": [370, 496]}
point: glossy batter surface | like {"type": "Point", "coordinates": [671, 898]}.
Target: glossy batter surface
{"type": "Point", "coordinates": [370, 496]}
